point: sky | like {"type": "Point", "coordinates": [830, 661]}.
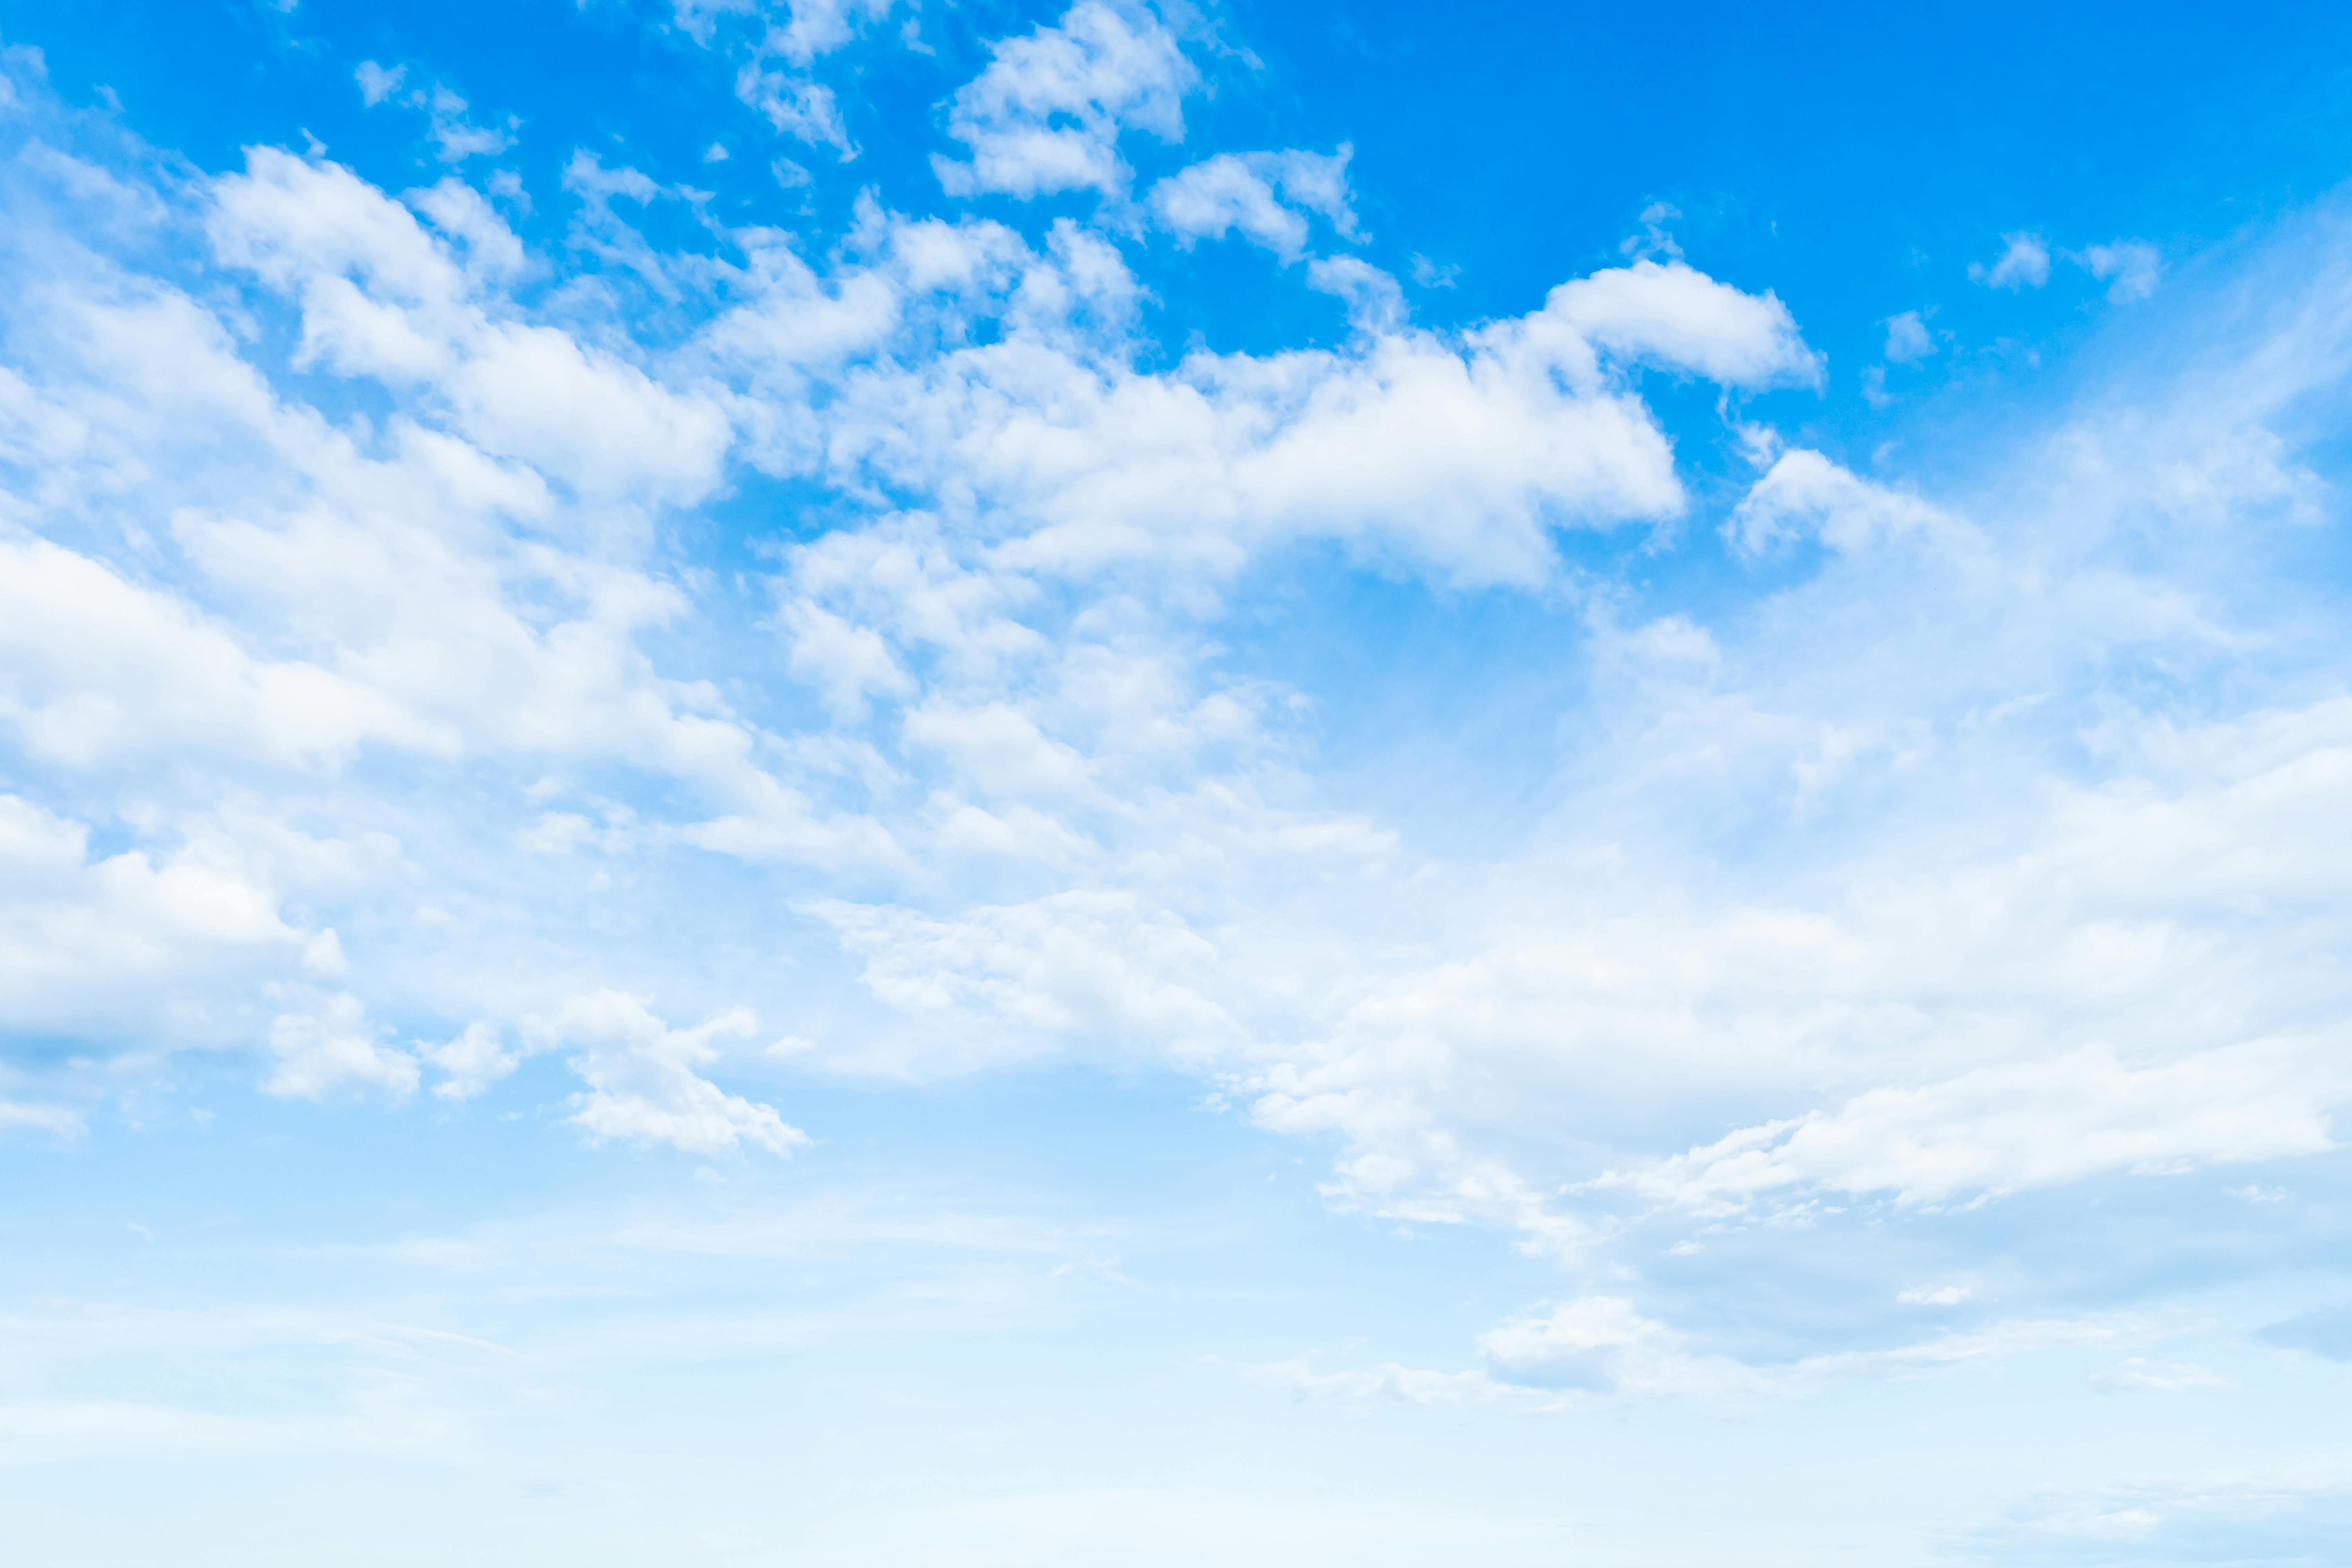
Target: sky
{"type": "Point", "coordinates": [925, 785]}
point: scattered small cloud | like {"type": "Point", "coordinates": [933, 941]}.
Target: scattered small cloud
{"type": "Point", "coordinates": [1655, 241]}
{"type": "Point", "coordinates": [377, 83]}
{"type": "Point", "coordinates": [456, 137]}
{"type": "Point", "coordinates": [1907, 339]}
{"type": "Point", "coordinates": [2025, 264]}
{"type": "Point", "coordinates": [2129, 268]}
{"type": "Point", "coordinates": [1431, 275]}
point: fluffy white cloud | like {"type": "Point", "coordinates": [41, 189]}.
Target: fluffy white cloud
{"type": "Point", "coordinates": [2024, 263]}
{"type": "Point", "coordinates": [328, 1046]}
{"type": "Point", "coordinates": [382, 298]}
{"type": "Point", "coordinates": [98, 667]}
{"type": "Point", "coordinates": [642, 1086]}
{"type": "Point", "coordinates": [473, 1061]}
{"type": "Point", "coordinates": [113, 947]}
{"type": "Point", "coordinates": [1457, 455]}
{"type": "Point", "coordinates": [1262, 194]}
{"type": "Point", "coordinates": [1805, 495]}
{"type": "Point", "coordinates": [1047, 113]}
{"type": "Point", "coordinates": [1375, 301]}
{"type": "Point", "coordinates": [1907, 339]}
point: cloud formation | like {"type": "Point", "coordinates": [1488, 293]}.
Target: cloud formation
{"type": "Point", "coordinates": [384, 720]}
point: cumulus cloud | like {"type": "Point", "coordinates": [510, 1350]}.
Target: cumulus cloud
{"type": "Point", "coordinates": [1459, 454]}
{"type": "Point", "coordinates": [1805, 496]}
{"type": "Point", "coordinates": [2129, 268]}
{"type": "Point", "coordinates": [105, 946]}
{"type": "Point", "coordinates": [331, 1047]}
{"type": "Point", "coordinates": [473, 1061]}
{"type": "Point", "coordinates": [1907, 339]}
{"type": "Point", "coordinates": [642, 1086]}
{"type": "Point", "coordinates": [1047, 113]}
{"type": "Point", "coordinates": [1260, 195]}
{"type": "Point", "coordinates": [2024, 263]}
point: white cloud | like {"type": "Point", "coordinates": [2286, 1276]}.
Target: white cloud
{"type": "Point", "coordinates": [1907, 339]}
{"type": "Point", "coordinates": [1598, 1343]}
{"type": "Point", "coordinates": [796, 106]}
{"type": "Point", "coordinates": [2024, 263]}
{"type": "Point", "coordinates": [1457, 455]}
{"type": "Point", "coordinates": [1939, 1015]}
{"type": "Point", "coordinates": [329, 1048]}
{"type": "Point", "coordinates": [1259, 194]}
{"type": "Point", "coordinates": [473, 1061]}
{"type": "Point", "coordinates": [2034, 1124]}
{"type": "Point", "coordinates": [382, 299]}
{"type": "Point", "coordinates": [1869, 883]}
{"type": "Point", "coordinates": [1047, 113]}
{"type": "Point", "coordinates": [376, 83]}
{"type": "Point", "coordinates": [1431, 275]}
{"type": "Point", "coordinates": [1805, 495]}
{"type": "Point", "coordinates": [642, 1086]}
{"type": "Point", "coordinates": [99, 667]}
{"type": "Point", "coordinates": [2130, 267]}
{"type": "Point", "coordinates": [111, 947]}
{"type": "Point", "coordinates": [456, 137]}
{"type": "Point", "coordinates": [1375, 302]}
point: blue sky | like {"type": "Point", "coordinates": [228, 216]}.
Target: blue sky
{"type": "Point", "coordinates": [892, 785]}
